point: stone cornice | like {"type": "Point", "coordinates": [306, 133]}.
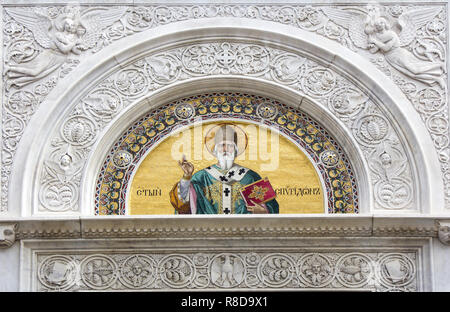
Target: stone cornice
{"type": "Point", "coordinates": [231, 227]}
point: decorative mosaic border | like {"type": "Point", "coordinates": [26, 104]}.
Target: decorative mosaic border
{"type": "Point", "coordinates": [146, 270]}
{"type": "Point", "coordinates": [384, 151]}
{"type": "Point", "coordinates": [126, 153]}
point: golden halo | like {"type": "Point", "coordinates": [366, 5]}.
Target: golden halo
{"type": "Point", "coordinates": [242, 139]}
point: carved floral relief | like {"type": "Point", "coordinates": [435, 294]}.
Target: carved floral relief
{"type": "Point", "coordinates": [369, 271]}
{"type": "Point", "coordinates": [406, 42]}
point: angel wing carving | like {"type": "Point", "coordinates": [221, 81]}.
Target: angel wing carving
{"type": "Point", "coordinates": [389, 36]}
{"type": "Point", "coordinates": [69, 32]}
{"type": "Point", "coordinates": [37, 22]}
{"type": "Point", "coordinates": [408, 23]}
{"type": "Point", "coordinates": [95, 20]}
{"type": "Point", "coordinates": [355, 22]}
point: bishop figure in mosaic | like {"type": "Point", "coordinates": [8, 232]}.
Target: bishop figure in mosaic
{"type": "Point", "coordinates": [216, 189]}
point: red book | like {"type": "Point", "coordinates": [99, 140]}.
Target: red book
{"type": "Point", "coordinates": [258, 192]}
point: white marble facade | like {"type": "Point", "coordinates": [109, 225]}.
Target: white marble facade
{"type": "Point", "coordinates": [59, 59]}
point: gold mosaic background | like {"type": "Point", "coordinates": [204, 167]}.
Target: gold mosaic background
{"type": "Point", "coordinates": [293, 172]}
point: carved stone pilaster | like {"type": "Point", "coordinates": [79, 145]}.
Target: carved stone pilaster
{"type": "Point", "coordinates": [7, 234]}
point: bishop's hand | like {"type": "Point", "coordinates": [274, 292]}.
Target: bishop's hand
{"type": "Point", "coordinates": [257, 208]}
{"type": "Point", "coordinates": [187, 167]}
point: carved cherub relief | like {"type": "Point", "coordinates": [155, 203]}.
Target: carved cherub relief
{"type": "Point", "coordinates": [390, 36]}
{"type": "Point", "coordinates": [72, 31]}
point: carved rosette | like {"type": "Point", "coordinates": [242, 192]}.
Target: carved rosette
{"type": "Point", "coordinates": [176, 271]}
{"type": "Point", "coordinates": [138, 271]}
{"type": "Point", "coordinates": [184, 111]}
{"type": "Point", "coordinates": [329, 158]}
{"type": "Point", "coordinates": [276, 270]}
{"type": "Point", "coordinates": [370, 271]}
{"type": "Point", "coordinates": [315, 270]}
{"type": "Point", "coordinates": [99, 272]}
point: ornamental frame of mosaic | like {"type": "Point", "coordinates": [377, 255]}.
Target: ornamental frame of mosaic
{"type": "Point", "coordinates": [373, 131]}
{"type": "Point", "coordinates": [427, 45]}
{"type": "Point", "coordinates": [339, 181]}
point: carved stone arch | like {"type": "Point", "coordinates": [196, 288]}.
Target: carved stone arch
{"type": "Point", "coordinates": [31, 153]}
{"type": "Point", "coordinates": [216, 84]}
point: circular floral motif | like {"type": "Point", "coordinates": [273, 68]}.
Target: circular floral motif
{"type": "Point", "coordinates": [396, 270]}
{"type": "Point", "coordinates": [79, 130]}
{"type": "Point", "coordinates": [103, 104]}
{"type": "Point", "coordinates": [22, 102]}
{"type": "Point", "coordinates": [58, 196]}
{"type": "Point", "coordinates": [372, 129]}
{"type": "Point", "coordinates": [226, 56]}
{"type": "Point", "coordinates": [429, 100]}
{"type": "Point", "coordinates": [354, 270]}
{"type": "Point", "coordinates": [140, 18]}
{"type": "Point", "coordinates": [13, 126]}
{"type": "Point", "coordinates": [199, 59]}
{"type": "Point", "coordinates": [315, 270]}
{"type": "Point", "coordinates": [200, 259]}
{"type": "Point", "coordinates": [395, 193]}
{"type": "Point", "coordinates": [57, 272]}
{"type": "Point", "coordinates": [131, 82]}
{"type": "Point", "coordinates": [184, 111]}
{"type": "Point", "coordinates": [122, 159]}
{"type": "Point", "coordinates": [227, 270]}
{"type": "Point", "coordinates": [252, 259]}
{"type": "Point", "coordinates": [12, 28]}
{"type": "Point", "coordinates": [319, 81]}
{"type": "Point", "coordinates": [252, 59]}
{"type": "Point", "coordinates": [276, 270]}
{"type": "Point", "coordinates": [176, 271]}
{"type": "Point", "coordinates": [138, 271]}
{"type": "Point", "coordinates": [438, 124]}
{"type": "Point", "coordinates": [266, 111]}
{"type": "Point", "coordinates": [435, 27]}
{"type": "Point", "coordinates": [22, 51]}
{"type": "Point", "coordinates": [98, 271]}
{"type": "Point", "coordinates": [395, 10]}
{"type": "Point", "coordinates": [329, 158]}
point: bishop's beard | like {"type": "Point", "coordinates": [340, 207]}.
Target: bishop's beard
{"type": "Point", "coordinates": [226, 160]}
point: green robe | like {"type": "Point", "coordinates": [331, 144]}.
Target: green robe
{"type": "Point", "coordinates": [209, 193]}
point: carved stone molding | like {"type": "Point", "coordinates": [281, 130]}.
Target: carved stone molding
{"type": "Point", "coordinates": [231, 227]}
{"type": "Point", "coordinates": [8, 234]}
{"type": "Point", "coordinates": [200, 270]}
{"type": "Point", "coordinates": [422, 41]}
{"type": "Point", "coordinates": [444, 232]}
